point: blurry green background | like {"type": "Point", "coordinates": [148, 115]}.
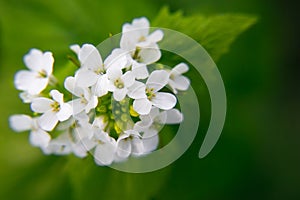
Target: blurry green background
{"type": "Point", "coordinates": [258, 154]}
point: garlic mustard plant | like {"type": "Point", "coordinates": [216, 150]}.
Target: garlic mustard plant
{"type": "Point", "coordinates": [112, 107]}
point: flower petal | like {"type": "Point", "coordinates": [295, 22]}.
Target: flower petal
{"type": "Point", "coordinates": [41, 104]}
{"type": "Point", "coordinates": [181, 83]}
{"type": "Point", "coordinates": [149, 54]}
{"type": "Point", "coordinates": [70, 85]}
{"type": "Point", "coordinates": [164, 100]}
{"type": "Point", "coordinates": [137, 146]}
{"type": "Point", "coordinates": [57, 96]}
{"type": "Point", "coordinates": [75, 48]}
{"type": "Point", "coordinates": [59, 146]}
{"type": "Point", "coordinates": [20, 122]}
{"type": "Point", "coordinates": [93, 102]}
{"type": "Point", "coordinates": [90, 57]}
{"type": "Point", "coordinates": [139, 70]}
{"type": "Point", "coordinates": [157, 79]}
{"type": "Point", "coordinates": [104, 153]}
{"type": "Point", "coordinates": [142, 106]}
{"type": "Point", "coordinates": [48, 61]}
{"type": "Point", "coordinates": [30, 82]}
{"type": "Point", "coordinates": [173, 116]}
{"type": "Point", "coordinates": [101, 87]}
{"type": "Point", "coordinates": [119, 94]}
{"type": "Point", "coordinates": [117, 59]}
{"type": "Point", "coordinates": [39, 138]}
{"type": "Point", "coordinates": [145, 123]}
{"type": "Point", "coordinates": [48, 120]}
{"type": "Point", "coordinates": [180, 69]}
{"type": "Point", "coordinates": [123, 148]}
{"type": "Point", "coordinates": [128, 79]}
{"type": "Point", "coordinates": [150, 140]}
{"type": "Point", "coordinates": [137, 90]}
{"type": "Point", "coordinates": [77, 106]}
{"type": "Point", "coordinates": [33, 60]}
{"type": "Point", "coordinates": [85, 78]}
{"type": "Point", "coordinates": [26, 97]}
{"type": "Point", "coordinates": [81, 148]}
{"type": "Point", "coordinates": [113, 73]}
{"type": "Point", "coordinates": [65, 112]}
{"type": "Point", "coordinates": [156, 36]}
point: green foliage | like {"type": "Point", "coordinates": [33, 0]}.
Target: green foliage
{"type": "Point", "coordinates": [215, 33]}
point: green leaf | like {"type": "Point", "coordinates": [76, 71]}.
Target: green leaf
{"type": "Point", "coordinates": [215, 33]}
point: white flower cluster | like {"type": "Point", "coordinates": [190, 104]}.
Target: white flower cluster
{"type": "Point", "coordinates": [112, 108]}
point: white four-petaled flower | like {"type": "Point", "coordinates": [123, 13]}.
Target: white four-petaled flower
{"type": "Point", "coordinates": [151, 124]}
{"type": "Point", "coordinates": [38, 137]}
{"type": "Point", "coordinates": [129, 143]}
{"type": "Point", "coordinates": [53, 110]}
{"type": "Point", "coordinates": [176, 80]}
{"type": "Point", "coordinates": [140, 45]}
{"type": "Point", "coordinates": [40, 67]}
{"type": "Point", "coordinates": [86, 99]}
{"type": "Point", "coordinates": [119, 82]}
{"type": "Point", "coordinates": [150, 94]}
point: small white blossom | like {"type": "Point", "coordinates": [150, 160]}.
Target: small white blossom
{"type": "Point", "coordinates": [141, 46]}
{"type": "Point", "coordinates": [137, 35]}
{"type": "Point", "coordinates": [85, 101]}
{"type": "Point", "coordinates": [59, 146]}
{"type": "Point", "coordinates": [105, 149]}
{"type": "Point", "coordinates": [40, 67]}
{"type": "Point", "coordinates": [37, 137]}
{"type": "Point", "coordinates": [129, 143]}
{"type": "Point", "coordinates": [151, 124]}
{"type": "Point", "coordinates": [119, 83]}
{"type": "Point", "coordinates": [53, 110]}
{"type": "Point", "coordinates": [80, 133]}
{"type": "Point", "coordinates": [27, 98]}
{"type": "Point", "coordinates": [176, 80]}
{"type": "Point", "coordinates": [149, 95]}
{"type": "Point", "coordinates": [92, 71]}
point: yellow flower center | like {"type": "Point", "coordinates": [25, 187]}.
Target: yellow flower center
{"type": "Point", "coordinates": [55, 106]}
{"type": "Point", "coordinates": [150, 93]}
{"type": "Point", "coordinates": [119, 83]}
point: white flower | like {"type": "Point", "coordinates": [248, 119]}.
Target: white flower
{"type": "Point", "coordinates": [119, 83]}
{"type": "Point", "coordinates": [92, 71]}
{"type": "Point", "coordinates": [140, 45]}
{"type": "Point", "coordinates": [156, 116]}
{"type": "Point", "coordinates": [176, 80]}
{"type": "Point", "coordinates": [86, 100]}
{"type": "Point", "coordinates": [105, 149]}
{"type": "Point", "coordinates": [147, 95]}
{"type": "Point", "coordinates": [53, 110]}
{"type": "Point", "coordinates": [151, 124]}
{"type": "Point", "coordinates": [37, 137]}
{"type": "Point", "coordinates": [80, 133]}
{"type": "Point", "coordinates": [40, 69]}
{"type": "Point", "coordinates": [92, 66]}
{"type": "Point", "coordinates": [27, 98]}
{"type": "Point", "coordinates": [59, 146]}
{"type": "Point", "coordinates": [128, 143]}
{"type": "Point", "coordinates": [137, 35]}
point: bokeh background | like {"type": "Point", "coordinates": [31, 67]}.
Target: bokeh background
{"type": "Point", "coordinates": [258, 154]}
